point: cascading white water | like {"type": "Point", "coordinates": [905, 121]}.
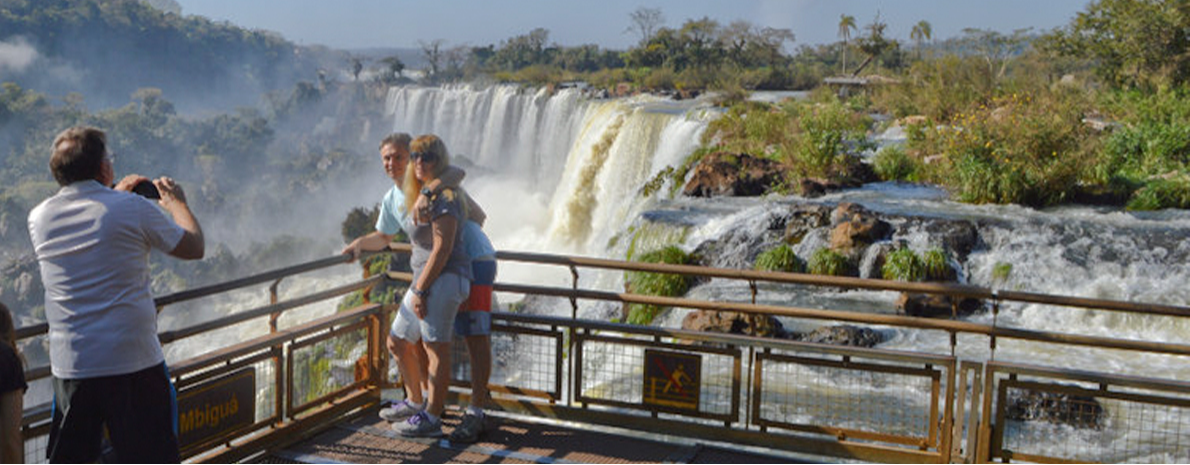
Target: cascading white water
{"type": "Point", "coordinates": [561, 173]}
{"type": "Point", "coordinates": [556, 172]}
{"type": "Point", "coordinates": [502, 128]}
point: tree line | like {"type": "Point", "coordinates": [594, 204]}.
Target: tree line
{"type": "Point", "coordinates": [1094, 112]}
{"type": "Point", "coordinates": [107, 49]}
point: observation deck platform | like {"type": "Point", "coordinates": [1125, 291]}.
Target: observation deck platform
{"type": "Point", "coordinates": [567, 389]}
{"type": "Point", "coordinates": [509, 438]}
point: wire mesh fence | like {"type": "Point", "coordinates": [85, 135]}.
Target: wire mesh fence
{"type": "Point", "coordinates": [526, 359]}
{"type": "Point", "coordinates": [1046, 419]}
{"type": "Point", "coordinates": [324, 364]}
{"type": "Point", "coordinates": [899, 403]}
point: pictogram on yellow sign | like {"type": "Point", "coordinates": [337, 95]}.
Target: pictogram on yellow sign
{"type": "Point", "coordinates": [672, 379]}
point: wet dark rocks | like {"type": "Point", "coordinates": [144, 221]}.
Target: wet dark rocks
{"type": "Point", "coordinates": [937, 306]}
{"type": "Point", "coordinates": [854, 228]}
{"type": "Point", "coordinates": [959, 237]}
{"type": "Point", "coordinates": [817, 187]}
{"type": "Point", "coordinates": [1053, 407]}
{"type": "Point", "coordinates": [726, 174]}
{"type": "Point", "coordinates": [800, 219]}
{"type": "Point", "coordinates": [844, 335]}
{"type": "Point", "coordinates": [769, 326]}
{"type": "Point", "coordinates": [734, 323]}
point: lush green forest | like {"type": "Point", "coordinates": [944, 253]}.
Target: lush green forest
{"type": "Point", "coordinates": [1095, 112]}
{"type": "Point", "coordinates": [106, 50]}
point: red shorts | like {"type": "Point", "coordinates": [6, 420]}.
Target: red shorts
{"type": "Point", "coordinates": [483, 275]}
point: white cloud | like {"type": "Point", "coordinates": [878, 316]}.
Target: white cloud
{"type": "Point", "coordinates": [16, 54]}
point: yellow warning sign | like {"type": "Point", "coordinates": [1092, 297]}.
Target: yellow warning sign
{"type": "Point", "coordinates": [672, 379]}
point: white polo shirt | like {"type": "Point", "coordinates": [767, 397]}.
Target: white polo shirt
{"type": "Point", "coordinates": [93, 245]}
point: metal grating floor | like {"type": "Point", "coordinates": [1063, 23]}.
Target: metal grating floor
{"type": "Point", "coordinates": [507, 440]}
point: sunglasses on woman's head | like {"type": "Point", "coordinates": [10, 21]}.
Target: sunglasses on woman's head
{"type": "Point", "coordinates": [425, 157]}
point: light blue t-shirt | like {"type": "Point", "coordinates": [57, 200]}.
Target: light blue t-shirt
{"type": "Point", "coordinates": [477, 243]}
{"type": "Point", "coordinates": [392, 213]}
{"type": "Point", "coordinates": [393, 218]}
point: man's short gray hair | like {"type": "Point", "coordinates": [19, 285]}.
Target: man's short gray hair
{"type": "Point", "coordinates": [396, 139]}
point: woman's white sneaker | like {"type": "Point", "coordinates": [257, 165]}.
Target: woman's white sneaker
{"type": "Point", "coordinates": [419, 426]}
{"type": "Point", "coordinates": [399, 411]}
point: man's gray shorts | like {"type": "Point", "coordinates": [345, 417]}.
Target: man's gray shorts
{"type": "Point", "coordinates": [446, 294]}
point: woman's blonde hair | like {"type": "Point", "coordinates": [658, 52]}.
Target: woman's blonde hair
{"type": "Point", "coordinates": [427, 144]}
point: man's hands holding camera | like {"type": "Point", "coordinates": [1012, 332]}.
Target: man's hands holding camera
{"type": "Point", "coordinates": [165, 190]}
{"type": "Point", "coordinates": [171, 198]}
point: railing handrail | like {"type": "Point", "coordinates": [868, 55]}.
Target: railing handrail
{"type": "Point", "coordinates": [723, 338]}
{"type": "Point", "coordinates": [858, 317]}
{"type": "Point", "coordinates": [170, 336]}
{"type": "Point", "coordinates": [219, 288]}
{"type": "Point", "coordinates": [272, 275]}
{"type": "Point", "coordinates": [954, 290]}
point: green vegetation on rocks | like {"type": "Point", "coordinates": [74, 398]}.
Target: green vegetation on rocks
{"type": "Point", "coordinates": [819, 139]}
{"type": "Point", "coordinates": [1162, 193]}
{"type": "Point", "coordinates": [780, 258]}
{"type": "Point", "coordinates": [936, 264]}
{"type": "Point", "coordinates": [906, 265]}
{"type": "Point", "coordinates": [903, 265]}
{"type": "Point", "coordinates": [829, 263]}
{"type": "Point", "coordinates": [987, 120]}
{"type": "Point", "coordinates": [893, 164]}
{"type": "Point", "coordinates": [658, 284]}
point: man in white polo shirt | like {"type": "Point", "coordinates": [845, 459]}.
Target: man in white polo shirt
{"type": "Point", "coordinates": [92, 243]}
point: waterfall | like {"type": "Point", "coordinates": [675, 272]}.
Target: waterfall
{"type": "Point", "coordinates": [556, 172]}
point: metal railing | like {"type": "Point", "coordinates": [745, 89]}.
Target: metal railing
{"type": "Point", "coordinates": [277, 411]}
{"type": "Point", "coordinates": [866, 404]}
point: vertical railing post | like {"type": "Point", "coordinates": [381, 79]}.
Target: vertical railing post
{"type": "Point", "coordinates": [367, 291]}
{"type": "Point", "coordinates": [995, 318]}
{"type": "Point", "coordinates": [376, 350]}
{"type": "Point", "coordinates": [983, 449]}
{"type": "Point", "coordinates": [273, 299]}
{"type": "Point", "coordinates": [570, 331]}
{"type": "Point", "coordinates": [754, 320]}
{"type": "Point", "coordinates": [574, 297]}
{"type": "Point", "coordinates": [278, 361]}
{"type": "Point", "coordinates": [280, 387]}
{"type": "Point", "coordinates": [744, 392]}
{"type": "Point", "coordinates": [959, 410]}
{"type": "Point", "coordinates": [954, 315]}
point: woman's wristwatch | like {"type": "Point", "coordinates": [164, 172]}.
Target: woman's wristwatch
{"type": "Point", "coordinates": [420, 293]}
{"type": "Point", "coordinates": [427, 192]}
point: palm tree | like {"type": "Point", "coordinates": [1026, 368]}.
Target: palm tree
{"type": "Point", "coordinates": [921, 32]}
{"type": "Point", "coordinates": [846, 25]}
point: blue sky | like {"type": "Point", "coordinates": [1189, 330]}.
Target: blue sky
{"type": "Point", "coordinates": [403, 23]}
